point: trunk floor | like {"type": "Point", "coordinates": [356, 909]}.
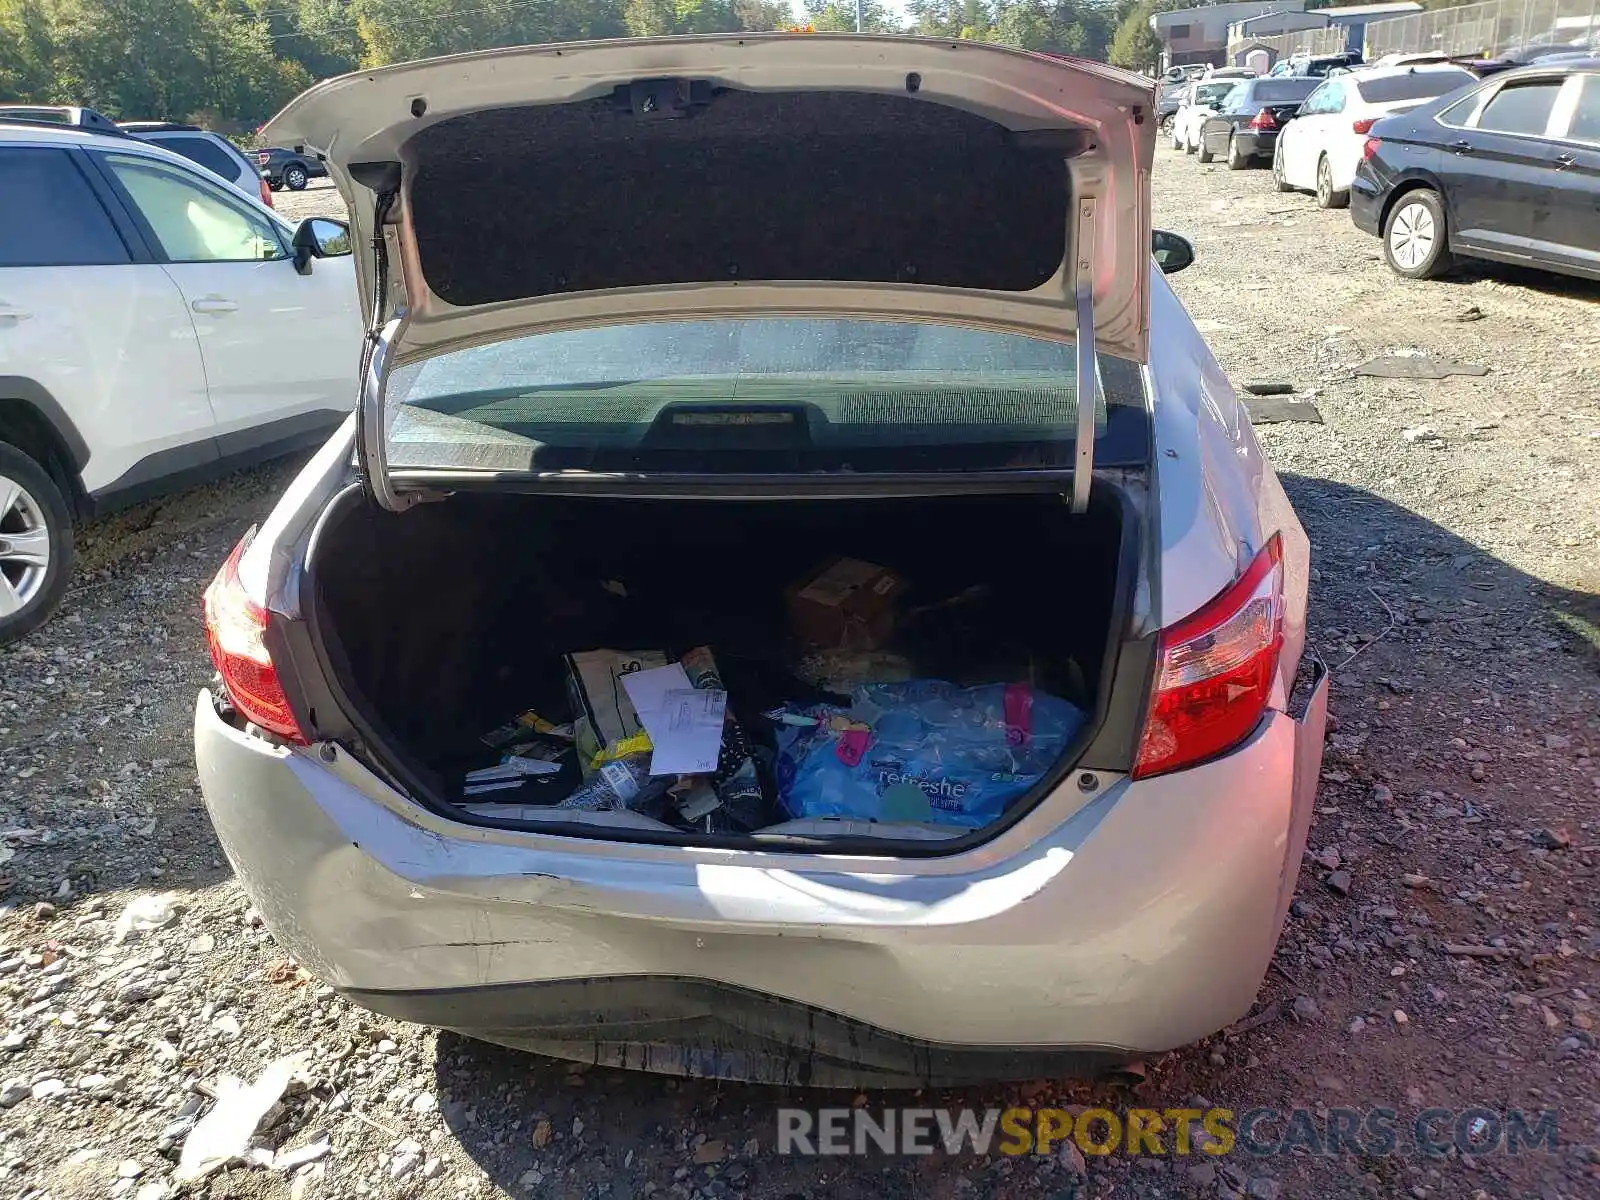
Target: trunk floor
{"type": "Point", "coordinates": [995, 594]}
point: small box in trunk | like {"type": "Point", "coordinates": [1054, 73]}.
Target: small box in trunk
{"type": "Point", "coordinates": [849, 604]}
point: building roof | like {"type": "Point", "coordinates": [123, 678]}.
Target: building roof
{"type": "Point", "coordinates": [1370, 10]}
{"type": "Point", "coordinates": [1227, 12]}
{"type": "Point", "coordinates": [1277, 14]}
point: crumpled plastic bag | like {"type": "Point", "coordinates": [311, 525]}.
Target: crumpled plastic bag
{"type": "Point", "coordinates": [922, 750]}
{"type": "Point", "coordinates": [224, 1133]}
{"type": "Point", "coordinates": [145, 914]}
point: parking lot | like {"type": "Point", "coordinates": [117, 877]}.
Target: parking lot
{"type": "Point", "coordinates": [1444, 949]}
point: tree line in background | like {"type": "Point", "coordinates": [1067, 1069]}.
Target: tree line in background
{"type": "Point", "coordinates": [229, 64]}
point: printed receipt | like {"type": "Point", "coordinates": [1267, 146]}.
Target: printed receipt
{"type": "Point", "coordinates": [691, 733]}
{"type": "Point", "coordinates": [684, 723]}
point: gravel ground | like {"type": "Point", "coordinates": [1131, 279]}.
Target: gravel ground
{"type": "Point", "coordinates": [1444, 948]}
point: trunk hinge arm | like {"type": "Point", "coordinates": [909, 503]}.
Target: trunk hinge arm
{"type": "Point", "coordinates": [372, 468]}
{"type": "Point", "coordinates": [1088, 381]}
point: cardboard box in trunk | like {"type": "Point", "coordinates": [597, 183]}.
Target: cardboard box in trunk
{"type": "Point", "coordinates": [848, 604]}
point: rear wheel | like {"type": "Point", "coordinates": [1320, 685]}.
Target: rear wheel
{"type": "Point", "coordinates": [294, 175]}
{"type": "Point", "coordinates": [35, 544]}
{"type": "Point", "coordinates": [1327, 195]}
{"type": "Point", "coordinates": [1278, 181]}
{"type": "Point", "coordinates": [1237, 159]}
{"type": "Point", "coordinates": [1188, 142]}
{"type": "Point", "coordinates": [1205, 150]}
{"type": "Point", "coordinates": [1414, 238]}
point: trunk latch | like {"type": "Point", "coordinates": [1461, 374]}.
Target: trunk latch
{"type": "Point", "coordinates": [663, 99]}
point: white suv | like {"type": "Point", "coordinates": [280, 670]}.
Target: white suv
{"type": "Point", "coordinates": [156, 328]}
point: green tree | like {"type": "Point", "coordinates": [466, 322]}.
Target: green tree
{"type": "Point", "coordinates": [161, 59]}
{"type": "Point", "coordinates": [839, 16]}
{"type": "Point", "coordinates": [763, 16]}
{"type": "Point", "coordinates": [401, 30]}
{"type": "Point", "coordinates": [323, 36]}
{"type": "Point", "coordinates": [243, 79]}
{"type": "Point", "coordinates": [656, 18]}
{"type": "Point", "coordinates": [1135, 45]}
{"type": "Point", "coordinates": [131, 58]}
{"type": "Point", "coordinates": [969, 19]}
{"type": "Point", "coordinates": [27, 51]}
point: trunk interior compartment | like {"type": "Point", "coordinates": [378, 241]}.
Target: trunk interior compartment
{"type": "Point", "coordinates": [913, 669]}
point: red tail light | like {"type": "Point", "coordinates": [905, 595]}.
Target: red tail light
{"type": "Point", "coordinates": [1364, 125]}
{"type": "Point", "coordinates": [266, 194]}
{"type": "Point", "coordinates": [1215, 671]}
{"type": "Point", "coordinates": [235, 628]}
{"type": "Point", "coordinates": [1264, 120]}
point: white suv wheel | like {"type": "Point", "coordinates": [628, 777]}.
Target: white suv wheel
{"type": "Point", "coordinates": [35, 544]}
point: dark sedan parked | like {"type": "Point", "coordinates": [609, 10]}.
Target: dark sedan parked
{"type": "Point", "coordinates": [1507, 170]}
{"type": "Point", "coordinates": [1245, 129]}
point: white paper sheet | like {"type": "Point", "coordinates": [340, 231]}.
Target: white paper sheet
{"type": "Point", "coordinates": [684, 724]}
{"type": "Point", "coordinates": [688, 732]}
{"type": "Point", "coordinates": [647, 689]}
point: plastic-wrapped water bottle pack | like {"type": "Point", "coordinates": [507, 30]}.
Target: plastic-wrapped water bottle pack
{"type": "Point", "coordinates": [922, 750]}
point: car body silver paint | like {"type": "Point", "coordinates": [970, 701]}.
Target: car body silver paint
{"type": "Point", "coordinates": [1142, 919]}
{"type": "Point", "coordinates": [1078, 925]}
{"type": "Point", "coordinates": [1218, 500]}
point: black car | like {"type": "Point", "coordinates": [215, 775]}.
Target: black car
{"type": "Point", "coordinates": [1245, 129]}
{"type": "Point", "coordinates": [288, 168]}
{"type": "Point", "coordinates": [1508, 169]}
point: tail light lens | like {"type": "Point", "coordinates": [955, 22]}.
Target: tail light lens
{"type": "Point", "coordinates": [266, 194]}
{"type": "Point", "coordinates": [1364, 125]}
{"type": "Point", "coordinates": [1370, 147]}
{"type": "Point", "coordinates": [1216, 668]}
{"type": "Point", "coordinates": [1264, 120]}
{"type": "Point", "coordinates": [235, 631]}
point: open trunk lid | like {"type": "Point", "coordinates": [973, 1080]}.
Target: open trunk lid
{"type": "Point", "coordinates": [558, 188]}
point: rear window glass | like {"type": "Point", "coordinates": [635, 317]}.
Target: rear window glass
{"type": "Point", "coordinates": [1211, 93]}
{"type": "Point", "coordinates": [1417, 85]}
{"type": "Point", "coordinates": [759, 395]}
{"type": "Point", "coordinates": [52, 217]}
{"type": "Point", "coordinates": [1271, 91]}
{"type": "Point", "coordinates": [205, 152]}
{"type": "Point", "coordinates": [1521, 108]}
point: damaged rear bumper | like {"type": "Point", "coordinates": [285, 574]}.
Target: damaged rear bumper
{"type": "Point", "coordinates": [1134, 918]}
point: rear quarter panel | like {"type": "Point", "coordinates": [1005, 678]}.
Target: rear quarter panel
{"type": "Point", "coordinates": [1218, 499]}
{"type": "Point", "coordinates": [1409, 156]}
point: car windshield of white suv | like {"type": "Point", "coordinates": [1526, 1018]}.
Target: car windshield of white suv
{"type": "Point", "coordinates": [758, 395]}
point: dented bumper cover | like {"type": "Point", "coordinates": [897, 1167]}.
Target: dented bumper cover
{"type": "Point", "coordinates": [1140, 922]}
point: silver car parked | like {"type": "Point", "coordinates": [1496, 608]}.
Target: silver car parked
{"type": "Point", "coordinates": [657, 327]}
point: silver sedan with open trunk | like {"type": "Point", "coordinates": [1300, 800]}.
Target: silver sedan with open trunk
{"type": "Point", "coordinates": [797, 600]}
